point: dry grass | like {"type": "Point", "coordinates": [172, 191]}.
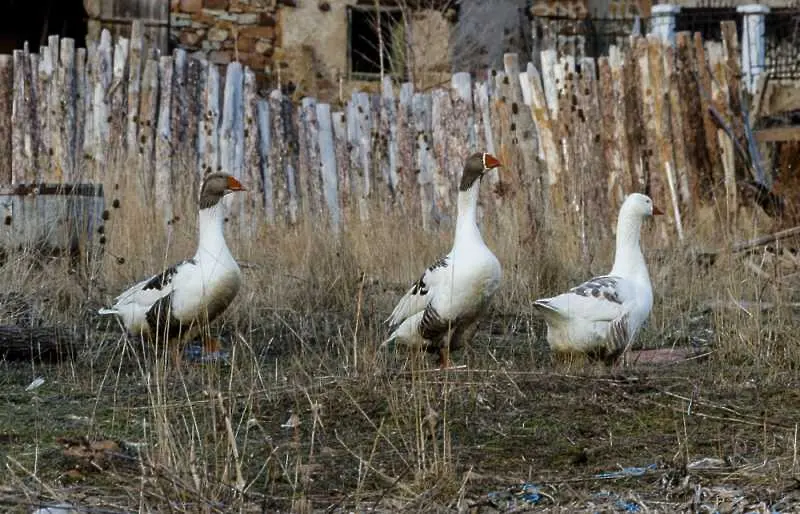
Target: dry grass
{"type": "Point", "coordinates": [309, 416]}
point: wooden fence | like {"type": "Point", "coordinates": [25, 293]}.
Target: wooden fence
{"type": "Point", "coordinates": [574, 136]}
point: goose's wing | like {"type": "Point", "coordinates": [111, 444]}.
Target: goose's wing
{"type": "Point", "coordinates": [418, 297]}
{"type": "Point", "coordinates": [605, 298]}
{"type": "Point", "coordinates": [149, 291]}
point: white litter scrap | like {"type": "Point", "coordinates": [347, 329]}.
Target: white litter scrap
{"type": "Point", "coordinates": [35, 384]}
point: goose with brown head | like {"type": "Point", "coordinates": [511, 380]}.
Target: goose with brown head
{"type": "Point", "coordinates": [179, 303]}
{"type": "Point", "coordinates": [441, 310]}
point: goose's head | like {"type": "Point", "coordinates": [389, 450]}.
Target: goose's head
{"type": "Point", "coordinates": [638, 205]}
{"type": "Point", "coordinates": [217, 185]}
{"type": "Point", "coordinates": [477, 164]}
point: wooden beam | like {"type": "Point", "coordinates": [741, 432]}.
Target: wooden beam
{"type": "Point", "coordinates": [778, 134]}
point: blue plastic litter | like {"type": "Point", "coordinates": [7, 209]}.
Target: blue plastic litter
{"type": "Point", "coordinates": [627, 472]}
{"type": "Point", "coordinates": [517, 497]}
{"type": "Point", "coordinates": [195, 353]}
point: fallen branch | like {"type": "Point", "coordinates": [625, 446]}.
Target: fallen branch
{"type": "Point", "coordinates": [761, 241]}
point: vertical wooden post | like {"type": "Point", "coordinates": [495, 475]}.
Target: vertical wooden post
{"type": "Point", "coordinates": [327, 157]}
{"type": "Point", "coordinates": [82, 107]}
{"type": "Point", "coordinates": [251, 171]}
{"type": "Point", "coordinates": [711, 140]}
{"type": "Point", "coordinates": [697, 162]}
{"type": "Point", "coordinates": [407, 187]}
{"type": "Point", "coordinates": [339, 121]}
{"type": "Point", "coordinates": [550, 143]}
{"type": "Point", "coordinates": [134, 83]}
{"type": "Point", "coordinates": [148, 118]}
{"type": "Point", "coordinates": [443, 181]}
{"type": "Point", "coordinates": [44, 107]}
{"type": "Point", "coordinates": [663, 186]}
{"type": "Point", "coordinates": [308, 172]}
{"type": "Point", "coordinates": [117, 112]}
{"type": "Point", "coordinates": [209, 126]}
{"type": "Point", "coordinates": [484, 109]}
{"type": "Point", "coordinates": [421, 109]}
{"type": "Point", "coordinates": [19, 166]}
{"type": "Point", "coordinates": [363, 121]}
{"type": "Point", "coordinates": [64, 142]}
{"type": "Point", "coordinates": [388, 130]}
{"type": "Point", "coordinates": [6, 110]}
{"type": "Point", "coordinates": [672, 68]}
{"type": "Point", "coordinates": [264, 149]}
{"type": "Point", "coordinates": [163, 188]}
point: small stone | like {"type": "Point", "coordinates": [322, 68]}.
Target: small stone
{"type": "Point", "coordinates": [191, 5]}
{"type": "Point", "coordinates": [248, 18]}
{"type": "Point", "coordinates": [217, 34]}
{"type": "Point", "coordinates": [245, 44]}
{"type": "Point", "coordinates": [216, 4]}
{"type": "Point", "coordinates": [220, 57]}
{"type": "Point", "coordinates": [180, 20]}
{"type": "Point", "coordinates": [190, 38]}
{"type": "Point", "coordinates": [263, 46]}
{"type": "Point", "coordinates": [260, 32]}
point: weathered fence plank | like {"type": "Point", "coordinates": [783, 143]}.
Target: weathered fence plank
{"type": "Point", "coordinates": [328, 165]}
{"type": "Point", "coordinates": [421, 109]}
{"type": "Point", "coordinates": [592, 130]}
{"type": "Point", "coordinates": [19, 164]}
{"type": "Point", "coordinates": [407, 186]}
{"type": "Point", "coordinates": [6, 112]}
{"type": "Point", "coordinates": [134, 83]}
{"type": "Point", "coordinates": [163, 187]}
{"type": "Point", "coordinates": [64, 129]}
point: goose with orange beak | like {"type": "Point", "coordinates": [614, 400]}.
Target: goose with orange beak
{"type": "Point", "coordinates": [441, 310]}
{"type": "Point", "coordinates": [601, 317]}
{"type": "Point", "coordinates": [183, 299]}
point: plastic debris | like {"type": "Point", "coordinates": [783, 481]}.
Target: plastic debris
{"type": "Point", "coordinates": [196, 353]}
{"type": "Point", "coordinates": [35, 384]}
{"type": "Point", "coordinates": [627, 472]}
{"type": "Point", "coordinates": [516, 498]}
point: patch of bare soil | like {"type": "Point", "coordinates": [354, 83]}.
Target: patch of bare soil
{"type": "Point", "coordinates": [306, 429]}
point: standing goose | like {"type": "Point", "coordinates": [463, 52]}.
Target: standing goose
{"type": "Point", "coordinates": [453, 293]}
{"type": "Point", "coordinates": [602, 316]}
{"type": "Point", "coordinates": [188, 295]}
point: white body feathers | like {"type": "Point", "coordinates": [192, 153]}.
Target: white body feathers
{"type": "Point", "coordinates": [196, 290]}
{"type": "Point", "coordinates": [603, 314]}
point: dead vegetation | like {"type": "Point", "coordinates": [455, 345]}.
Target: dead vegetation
{"type": "Point", "coordinates": [307, 416]}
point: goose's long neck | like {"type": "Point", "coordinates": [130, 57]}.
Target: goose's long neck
{"type": "Point", "coordinates": [211, 240]}
{"type": "Point", "coordinates": [629, 261]}
{"type": "Point", "coordinates": [467, 221]}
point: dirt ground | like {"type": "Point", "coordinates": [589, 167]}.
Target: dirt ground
{"type": "Point", "coordinates": [300, 426]}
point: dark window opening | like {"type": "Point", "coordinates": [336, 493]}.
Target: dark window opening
{"type": "Point", "coordinates": [31, 21]}
{"type": "Point", "coordinates": [364, 53]}
{"type": "Point", "coordinates": [706, 21]}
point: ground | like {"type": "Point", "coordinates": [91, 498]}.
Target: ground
{"type": "Point", "coordinates": [296, 423]}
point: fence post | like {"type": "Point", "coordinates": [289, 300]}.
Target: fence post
{"type": "Point", "coordinates": [753, 42]}
{"type": "Point", "coordinates": [6, 107]}
{"type": "Point", "coordinates": [663, 21]}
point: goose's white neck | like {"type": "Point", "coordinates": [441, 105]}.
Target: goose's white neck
{"type": "Point", "coordinates": [629, 262]}
{"type": "Point", "coordinates": [211, 240]}
{"type": "Point", "coordinates": [467, 221]}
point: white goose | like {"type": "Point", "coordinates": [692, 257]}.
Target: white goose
{"type": "Point", "coordinates": [602, 316]}
{"type": "Point", "coordinates": [192, 293]}
{"type": "Point", "coordinates": [453, 293]}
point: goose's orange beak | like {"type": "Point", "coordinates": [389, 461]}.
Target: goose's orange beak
{"type": "Point", "coordinates": [490, 161]}
{"type": "Point", "coordinates": [235, 185]}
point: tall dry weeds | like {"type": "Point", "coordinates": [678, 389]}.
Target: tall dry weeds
{"type": "Point", "coordinates": [304, 332]}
